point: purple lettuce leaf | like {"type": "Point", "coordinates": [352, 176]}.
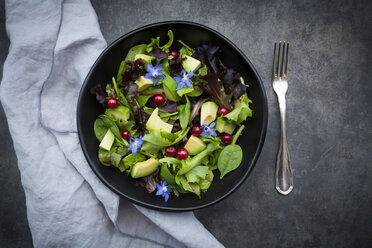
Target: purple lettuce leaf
{"type": "Point", "coordinates": [149, 182]}
{"type": "Point", "coordinates": [134, 70]}
{"type": "Point", "coordinates": [99, 93]}
{"type": "Point", "coordinates": [159, 55]}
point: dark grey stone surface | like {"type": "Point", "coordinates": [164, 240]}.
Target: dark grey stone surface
{"type": "Point", "coordinates": [329, 119]}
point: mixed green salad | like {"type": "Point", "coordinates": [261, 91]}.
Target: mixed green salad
{"type": "Point", "coordinates": [172, 117]}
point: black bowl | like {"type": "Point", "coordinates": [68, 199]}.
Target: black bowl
{"type": "Point", "coordinates": [107, 66]}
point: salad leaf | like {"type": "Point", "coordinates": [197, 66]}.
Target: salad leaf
{"type": "Point", "coordinates": [175, 66]}
{"type": "Point", "coordinates": [190, 163]}
{"type": "Point", "coordinates": [100, 95]}
{"type": "Point", "coordinates": [159, 55]}
{"type": "Point", "coordinates": [196, 108]}
{"type": "Point", "coordinates": [138, 49]}
{"type": "Point", "coordinates": [142, 99]}
{"type": "Point", "coordinates": [170, 42]}
{"type": "Point", "coordinates": [241, 111]}
{"type": "Point", "coordinates": [130, 160]}
{"type": "Point", "coordinates": [150, 149]}
{"type": "Point", "coordinates": [130, 56]}
{"type": "Point", "coordinates": [171, 162]}
{"type": "Point", "coordinates": [230, 158]}
{"type": "Point", "coordinates": [203, 71]}
{"type": "Point", "coordinates": [184, 111]}
{"type": "Point", "coordinates": [185, 50]}
{"type": "Point", "coordinates": [163, 138]}
{"type": "Point", "coordinates": [206, 183]}
{"type": "Point", "coordinates": [133, 70]}
{"type": "Point", "coordinates": [223, 82]}
{"type": "Point", "coordinates": [100, 129]}
{"type": "Point", "coordinates": [237, 134]}
{"type": "Point", "coordinates": [169, 106]}
{"type": "Point", "coordinates": [112, 157]}
{"type": "Point", "coordinates": [166, 175]}
{"type": "Point", "coordinates": [196, 174]}
{"type": "Point", "coordinates": [155, 43]}
{"type": "Point", "coordinates": [149, 182]}
{"type": "Point", "coordinates": [190, 187]}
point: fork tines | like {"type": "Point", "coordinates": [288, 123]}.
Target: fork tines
{"type": "Point", "coordinates": [280, 68]}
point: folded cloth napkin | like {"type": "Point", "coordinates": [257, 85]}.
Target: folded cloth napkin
{"type": "Point", "coordinates": [53, 45]}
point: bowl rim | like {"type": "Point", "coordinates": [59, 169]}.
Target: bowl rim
{"type": "Point", "coordinates": [261, 137]}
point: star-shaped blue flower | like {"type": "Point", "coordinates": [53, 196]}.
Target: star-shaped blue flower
{"type": "Point", "coordinates": [184, 80]}
{"type": "Point", "coordinates": [154, 73]}
{"type": "Point", "coordinates": [163, 190]}
{"type": "Point", "coordinates": [208, 130]}
{"type": "Point", "coordinates": [135, 143]}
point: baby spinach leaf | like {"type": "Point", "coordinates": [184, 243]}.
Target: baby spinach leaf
{"type": "Point", "coordinates": [184, 111]}
{"type": "Point", "coordinates": [196, 174]}
{"type": "Point", "coordinates": [138, 49]}
{"type": "Point", "coordinates": [230, 158]}
{"type": "Point", "coordinates": [100, 129]}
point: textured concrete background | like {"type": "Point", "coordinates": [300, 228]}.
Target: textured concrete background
{"type": "Point", "coordinates": [329, 121]}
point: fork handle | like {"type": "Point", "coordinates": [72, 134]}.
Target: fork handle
{"type": "Point", "coordinates": [283, 174]}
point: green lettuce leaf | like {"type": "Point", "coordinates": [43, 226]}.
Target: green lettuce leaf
{"type": "Point", "coordinates": [241, 111]}
{"type": "Point", "coordinates": [190, 187]}
{"type": "Point", "coordinates": [112, 157]}
{"type": "Point", "coordinates": [204, 184]}
{"type": "Point", "coordinates": [190, 163]}
{"type": "Point", "coordinates": [185, 50]}
{"type": "Point", "coordinates": [166, 175]}
{"type": "Point", "coordinates": [196, 174]}
{"type": "Point", "coordinates": [163, 138]}
{"type": "Point", "coordinates": [129, 160]}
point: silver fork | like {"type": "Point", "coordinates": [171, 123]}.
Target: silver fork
{"type": "Point", "coordinates": [283, 173]}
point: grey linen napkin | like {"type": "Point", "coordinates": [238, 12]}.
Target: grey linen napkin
{"type": "Point", "coordinates": [53, 45]}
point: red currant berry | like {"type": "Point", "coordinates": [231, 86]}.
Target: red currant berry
{"type": "Point", "coordinates": [170, 151]}
{"type": "Point", "coordinates": [223, 111]}
{"type": "Point", "coordinates": [112, 103]}
{"type": "Point", "coordinates": [182, 153]}
{"type": "Point", "coordinates": [159, 99]}
{"type": "Point", "coordinates": [196, 130]}
{"type": "Point", "coordinates": [226, 138]}
{"type": "Point", "coordinates": [174, 53]}
{"type": "Point", "coordinates": [125, 134]}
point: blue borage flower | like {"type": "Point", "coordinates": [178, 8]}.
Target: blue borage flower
{"type": "Point", "coordinates": [163, 190]}
{"type": "Point", "coordinates": [154, 73]}
{"type": "Point", "coordinates": [208, 130]}
{"type": "Point", "coordinates": [184, 80]}
{"type": "Point", "coordinates": [135, 143]}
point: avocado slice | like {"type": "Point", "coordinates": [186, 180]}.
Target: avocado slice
{"type": "Point", "coordinates": [154, 122]}
{"type": "Point", "coordinates": [170, 87]}
{"type": "Point", "coordinates": [145, 168]}
{"type": "Point", "coordinates": [223, 126]}
{"type": "Point", "coordinates": [119, 113]}
{"type": "Point", "coordinates": [107, 140]}
{"type": "Point", "coordinates": [144, 57]}
{"type": "Point", "coordinates": [194, 145]}
{"type": "Point", "coordinates": [191, 64]}
{"type": "Point", "coordinates": [143, 83]}
{"type": "Point", "coordinates": [208, 112]}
